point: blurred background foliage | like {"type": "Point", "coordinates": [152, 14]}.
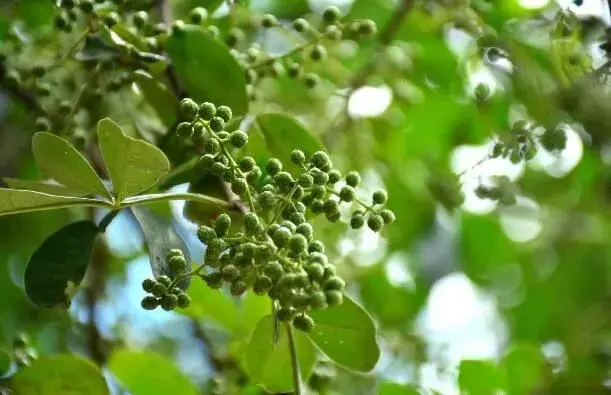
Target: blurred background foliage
{"type": "Point", "coordinates": [474, 299]}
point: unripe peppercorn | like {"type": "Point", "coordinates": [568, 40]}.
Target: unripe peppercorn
{"type": "Point", "coordinates": [184, 130]}
{"type": "Point", "coordinates": [169, 302]}
{"type": "Point", "coordinates": [318, 52]}
{"type": "Point", "coordinates": [269, 20]}
{"type": "Point", "coordinates": [303, 322]}
{"type": "Point", "coordinates": [347, 193]}
{"type": "Point", "coordinates": [247, 163]}
{"type": "Point", "coordinates": [239, 186]}
{"type": "Point", "coordinates": [207, 111]}
{"type": "Point", "coordinates": [177, 264]}
{"type": "Point", "coordinates": [294, 70]}
{"type": "Point", "coordinates": [331, 14]}
{"type": "Point", "coordinates": [188, 109]}
{"type": "Point", "coordinates": [178, 27]}
{"type": "Point", "coordinates": [217, 124]}
{"type": "Point", "coordinates": [318, 300]}
{"type": "Point", "coordinates": [334, 283]}
{"type": "Point", "coordinates": [315, 271]}
{"type": "Point", "coordinates": [267, 199]}
{"type": "Point", "coordinates": [273, 166]}
{"type": "Point", "coordinates": [214, 280]}
{"type": "Point", "coordinates": [316, 246]}
{"type": "Point", "coordinates": [206, 234]}
{"type": "Point", "coordinates": [140, 18]}
{"type": "Point", "coordinates": [238, 288]}
{"type": "Point", "coordinates": [159, 289]}
{"type": "Point", "coordinates": [148, 285]}
{"type": "Point", "coordinates": [357, 221]}
{"type": "Point", "coordinates": [183, 300]}
{"type": "Point", "coordinates": [224, 112]}
{"type": "Point", "coordinates": [281, 237]}
{"type": "Point", "coordinates": [306, 230]}
{"type": "Point", "coordinates": [212, 146]}
{"type": "Point", "coordinates": [198, 15]}
{"type": "Point", "coordinates": [251, 222]}
{"type": "Point", "coordinates": [353, 179]}
{"type": "Point", "coordinates": [230, 273]}
{"type": "Point", "coordinates": [111, 19]}
{"type": "Point", "coordinates": [334, 298]}
{"type": "Point", "coordinates": [164, 280]}
{"type": "Point", "coordinates": [262, 285]}
{"type": "Point", "coordinates": [300, 25]}
{"type": "Point", "coordinates": [42, 124]}
{"type": "Point", "coordinates": [238, 139]}
{"type": "Point", "coordinates": [298, 243]}
{"type": "Point", "coordinates": [222, 224]}
{"type": "Point", "coordinates": [320, 160]}
{"type": "Point", "coordinates": [273, 270]}
{"type": "Point", "coordinates": [333, 32]}
{"type": "Point", "coordinates": [311, 80]}
{"type": "Point", "coordinates": [380, 197]}
{"type": "Point", "coordinates": [367, 28]}
{"type": "Point", "coordinates": [285, 314]}
{"type": "Point", "coordinates": [375, 222]}
{"type": "Point", "coordinates": [320, 177]}
{"type": "Point", "coordinates": [149, 303]}
{"type": "Point", "coordinates": [298, 157]}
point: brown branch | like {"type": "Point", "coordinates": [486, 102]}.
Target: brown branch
{"type": "Point", "coordinates": [164, 8]}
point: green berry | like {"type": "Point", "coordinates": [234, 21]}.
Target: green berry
{"type": "Point", "coordinates": [164, 280]}
{"type": "Point", "coordinates": [387, 216]}
{"type": "Point", "coordinates": [347, 193]}
{"type": "Point", "coordinates": [306, 230]}
{"type": "Point", "coordinates": [273, 166]}
{"type": "Point", "coordinates": [140, 18]}
{"type": "Point", "coordinates": [269, 20]}
{"type": "Point", "coordinates": [320, 177]}
{"type": "Point", "coordinates": [334, 283]}
{"type": "Point", "coordinates": [318, 300]}
{"type": "Point", "coordinates": [298, 243]}
{"type": "Point", "coordinates": [178, 27]}
{"type": "Point", "coordinates": [234, 37]}
{"type": "Point", "coordinates": [300, 25]}
{"type": "Point", "coordinates": [285, 314]}
{"type": "Point", "coordinates": [111, 19]}
{"type": "Point", "coordinates": [42, 124]}
{"type": "Point", "coordinates": [315, 271]}
{"type": "Point", "coordinates": [149, 303]}
{"type": "Point", "coordinates": [214, 280]}
{"type": "Point", "coordinates": [267, 199]}
{"type": "Point", "coordinates": [320, 160]}
{"type": "Point", "coordinates": [311, 80]}
{"type": "Point", "coordinates": [298, 157]}
{"type": "Point", "coordinates": [331, 14]}
{"type": "Point", "coordinates": [367, 28]}
{"type": "Point", "coordinates": [206, 161]}
{"type": "Point", "coordinates": [212, 146]}
{"type": "Point", "coordinates": [217, 124]}
{"type": "Point", "coordinates": [183, 300]}
{"type": "Point", "coordinates": [303, 322]}
{"type": "Point", "coordinates": [188, 109]}
{"type": "Point", "coordinates": [284, 181]}
{"type": "Point", "coordinates": [247, 163]}
{"type": "Point", "coordinates": [159, 289]}
{"type": "Point", "coordinates": [198, 15]}
{"type": "Point", "coordinates": [251, 223]}
{"type": "Point", "coordinates": [177, 264]}
{"type": "Point", "coordinates": [317, 206]}
{"type": "Point", "coordinates": [380, 197]}
{"type": "Point", "coordinates": [206, 234]}
{"type": "Point", "coordinates": [213, 31]}
{"type": "Point", "coordinates": [230, 273]}
{"type": "Point", "coordinates": [281, 237]}
{"type": "Point", "coordinates": [238, 288]}
{"type": "Point", "coordinates": [273, 270]}
{"type": "Point", "coordinates": [334, 298]}
{"type": "Point", "coordinates": [262, 285]}
{"type": "Point", "coordinates": [318, 257]}
{"type": "Point", "coordinates": [238, 139]}
{"type": "Point", "coordinates": [239, 186]}
{"type": "Point", "coordinates": [353, 179]}
{"type": "Point", "coordinates": [375, 222]}
{"type": "Point", "coordinates": [169, 302]}
{"type": "Point", "coordinates": [207, 111]}
{"type": "Point", "coordinates": [224, 112]}
{"type": "Point", "coordinates": [318, 52]}
{"type": "Point", "coordinates": [222, 224]}
{"type": "Point", "coordinates": [305, 180]}
{"type": "Point", "coordinates": [184, 130]}
{"type": "Point", "coordinates": [316, 246]}
{"type": "Point", "coordinates": [357, 221]}
{"type": "Point", "coordinates": [148, 285]}
{"type": "Point", "coordinates": [294, 70]}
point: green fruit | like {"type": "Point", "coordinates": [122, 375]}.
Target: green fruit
{"type": "Point", "coordinates": [303, 322]}
{"type": "Point", "coordinates": [300, 25]}
{"type": "Point", "coordinates": [318, 300]}
{"type": "Point", "coordinates": [177, 264]}
{"type": "Point", "coordinates": [387, 216]}
{"type": "Point", "coordinates": [188, 109]}
{"type": "Point", "coordinates": [315, 271]}
{"type": "Point", "coordinates": [334, 298]}
{"type": "Point", "coordinates": [357, 221]}
{"type": "Point", "coordinates": [184, 130]}
{"type": "Point", "coordinates": [149, 303]}
{"type": "Point", "coordinates": [262, 285]}
{"type": "Point", "coordinates": [316, 246]}
{"type": "Point", "coordinates": [198, 15]}
{"type": "Point", "coordinates": [222, 224]}
{"type": "Point", "coordinates": [238, 139]}
{"type": "Point", "coordinates": [238, 288]}
{"type": "Point", "coordinates": [281, 237]}
{"type": "Point", "coordinates": [311, 80]}
{"type": "Point", "coordinates": [230, 273]}
{"type": "Point", "coordinates": [269, 20]}
{"type": "Point", "coordinates": [159, 290]}
{"type": "Point", "coordinates": [353, 179]}
{"type": "Point", "coordinates": [239, 186]}
{"type": "Point", "coordinates": [207, 111]}
{"type": "Point", "coordinates": [217, 124]}
{"type": "Point", "coordinates": [298, 157]}
{"type": "Point", "coordinates": [148, 285]}
{"type": "Point", "coordinates": [334, 283]}
{"type": "Point", "coordinates": [375, 222]}
{"type": "Point", "coordinates": [169, 302]}
{"type": "Point", "coordinates": [183, 300]}
{"type": "Point", "coordinates": [285, 314]}
{"type": "Point", "coordinates": [273, 166]}
{"type": "Point", "coordinates": [298, 243]}
{"type": "Point", "coordinates": [347, 193]}
{"type": "Point", "coordinates": [331, 14]}
{"type": "Point", "coordinates": [317, 53]}
{"type": "Point", "coordinates": [380, 197]}
{"type": "Point", "coordinates": [164, 280]}
{"type": "Point", "coordinates": [214, 280]}
{"type": "Point", "coordinates": [273, 270]}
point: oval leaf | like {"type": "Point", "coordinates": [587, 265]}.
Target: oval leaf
{"type": "Point", "coordinates": [347, 335]}
{"type": "Point", "coordinates": [133, 165]}
{"type": "Point", "coordinates": [163, 102]}
{"type": "Point", "coordinates": [278, 135]}
{"type": "Point", "coordinates": [50, 188]}
{"type": "Point", "coordinates": [59, 374]}
{"type": "Point", "coordinates": [211, 304]}
{"type": "Point", "coordinates": [60, 260]}
{"type": "Point", "coordinates": [271, 366]}
{"type": "Point", "coordinates": [5, 363]}
{"type": "Point", "coordinates": [160, 238]}
{"type": "Point", "coordinates": [14, 201]}
{"type": "Point", "coordinates": [207, 70]}
{"type": "Point", "coordinates": [59, 160]}
{"type": "Point", "coordinates": [147, 373]}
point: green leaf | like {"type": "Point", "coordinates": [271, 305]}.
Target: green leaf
{"type": "Point", "coordinates": [525, 368]}
{"type": "Point", "coordinates": [5, 362]}
{"type": "Point", "coordinates": [347, 335]}
{"type": "Point", "coordinates": [14, 201]}
{"type": "Point", "coordinates": [41, 186]}
{"type": "Point", "coordinates": [278, 135]}
{"type": "Point", "coordinates": [396, 389]}
{"type": "Point", "coordinates": [271, 366]}
{"type": "Point", "coordinates": [60, 262]}
{"type": "Point", "coordinates": [160, 238]}
{"type": "Point", "coordinates": [479, 377]}
{"type": "Point", "coordinates": [147, 373]}
{"type": "Point", "coordinates": [59, 374]}
{"type": "Point", "coordinates": [157, 95]}
{"type": "Point", "coordinates": [133, 165]}
{"type": "Point", "coordinates": [59, 160]}
{"type": "Point", "coordinates": [211, 304]}
{"type": "Point", "coordinates": [207, 70]}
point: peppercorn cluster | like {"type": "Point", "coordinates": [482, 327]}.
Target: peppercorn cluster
{"type": "Point", "coordinates": [273, 251]}
{"type": "Point", "coordinates": [164, 290]}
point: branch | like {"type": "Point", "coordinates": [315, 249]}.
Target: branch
{"type": "Point", "coordinates": [164, 8]}
{"type": "Point", "coordinates": [294, 360]}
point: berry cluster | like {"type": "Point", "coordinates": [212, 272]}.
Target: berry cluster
{"type": "Point", "coordinates": [274, 251]}
{"type": "Point", "coordinates": [517, 145]}
{"type": "Point", "coordinates": [502, 191]}
{"type": "Point", "coordinates": [163, 290]}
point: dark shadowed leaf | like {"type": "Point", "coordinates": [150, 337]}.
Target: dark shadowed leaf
{"type": "Point", "coordinates": [347, 335]}
{"type": "Point", "coordinates": [59, 374]}
{"type": "Point", "coordinates": [59, 160]}
{"type": "Point", "coordinates": [147, 373]}
{"type": "Point", "coordinates": [158, 96]}
{"type": "Point", "coordinates": [60, 262]}
{"type": "Point", "coordinates": [271, 366]}
{"type": "Point", "coordinates": [133, 165]}
{"type": "Point", "coordinates": [14, 201]}
{"type": "Point", "coordinates": [207, 70]}
{"type": "Point", "coordinates": [160, 238]}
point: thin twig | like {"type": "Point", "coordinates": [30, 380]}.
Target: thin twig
{"type": "Point", "coordinates": [294, 360]}
{"type": "Point", "coordinates": [165, 15]}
